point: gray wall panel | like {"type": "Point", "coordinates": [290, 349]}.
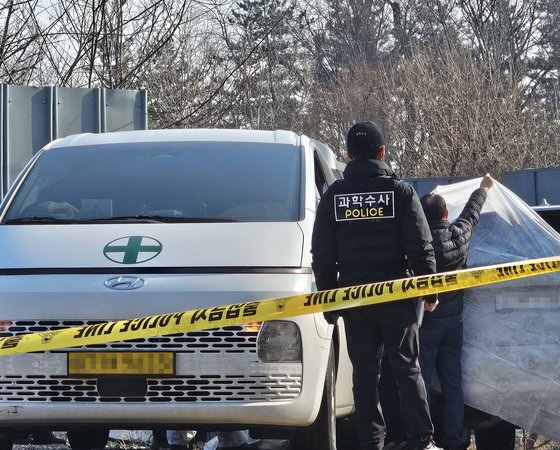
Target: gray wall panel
{"type": "Point", "coordinates": [523, 184]}
{"type": "Point", "coordinates": [547, 186]}
{"type": "Point", "coordinates": [124, 110]}
{"type": "Point", "coordinates": [424, 186]}
{"type": "Point", "coordinates": [31, 117]}
{"type": "Point", "coordinates": [534, 185]}
{"type": "Point", "coordinates": [29, 127]}
{"type": "Point", "coordinates": [77, 111]}
{"type": "Point", "coordinates": [3, 137]}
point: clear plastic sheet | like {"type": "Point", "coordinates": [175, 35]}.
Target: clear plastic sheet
{"type": "Point", "coordinates": [511, 354]}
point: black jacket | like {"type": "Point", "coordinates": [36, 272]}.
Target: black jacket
{"type": "Point", "coordinates": [369, 227]}
{"type": "Point", "coordinates": [451, 243]}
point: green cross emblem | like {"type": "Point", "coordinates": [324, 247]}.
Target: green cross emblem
{"type": "Point", "coordinates": [132, 249]}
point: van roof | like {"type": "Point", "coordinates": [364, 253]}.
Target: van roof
{"type": "Point", "coordinates": [199, 134]}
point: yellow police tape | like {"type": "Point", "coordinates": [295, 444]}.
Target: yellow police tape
{"type": "Point", "coordinates": [275, 308]}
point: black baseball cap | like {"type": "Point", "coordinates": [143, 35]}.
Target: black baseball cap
{"type": "Point", "coordinates": [364, 137]}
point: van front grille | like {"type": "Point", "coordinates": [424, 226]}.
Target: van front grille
{"type": "Point", "coordinates": [208, 386]}
{"type": "Point", "coordinates": [205, 388]}
{"type": "Point", "coordinates": [234, 339]}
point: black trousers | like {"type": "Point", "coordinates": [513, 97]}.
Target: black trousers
{"type": "Point", "coordinates": [393, 328]}
{"type": "Point", "coordinates": [390, 404]}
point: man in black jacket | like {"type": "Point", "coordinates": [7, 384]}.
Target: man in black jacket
{"type": "Point", "coordinates": [370, 227]}
{"type": "Point", "coordinates": [441, 334]}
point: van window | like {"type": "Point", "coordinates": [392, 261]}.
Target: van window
{"type": "Point", "coordinates": [320, 180]}
{"type": "Point", "coordinates": [174, 181]}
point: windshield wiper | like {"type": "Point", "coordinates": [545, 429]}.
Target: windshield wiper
{"type": "Point", "coordinates": [139, 218]}
{"type": "Point", "coordinates": [132, 218]}
{"type": "Point", "coordinates": [38, 220]}
{"type": "Point", "coordinates": [160, 219]}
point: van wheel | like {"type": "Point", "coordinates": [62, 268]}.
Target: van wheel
{"type": "Point", "coordinates": [6, 442]}
{"type": "Point", "coordinates": [346, 433]}
{"type": "Point", "coordinates": [88, 438]}
{"type": "Point", "coordinates": [321, 435]}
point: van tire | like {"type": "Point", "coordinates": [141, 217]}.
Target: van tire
{"type": "Point", "coordinates": [6, 442]}
{"type": "Point", "coordinates": [321, 434]}
{"type": "Point", "coordinates": [346, 433]}
{"type": "Point", "coordinates": [88, 438]}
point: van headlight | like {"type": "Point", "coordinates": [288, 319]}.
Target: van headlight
{"type": "Point", "coordinates": [279, 341]}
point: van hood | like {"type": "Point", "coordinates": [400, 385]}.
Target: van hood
{"type": "Point", "coordinates": [151, 245]}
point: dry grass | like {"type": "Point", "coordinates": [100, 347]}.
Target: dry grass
{"type": "Point", "coordinates": [136, 441]}
{"type": "Point", "coordinates": [528, 441]}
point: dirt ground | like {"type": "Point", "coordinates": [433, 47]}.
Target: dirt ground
{"type": "Point", "coordinates": [528, 441]}
{"type": "Point", "coordinates": [524, 441]}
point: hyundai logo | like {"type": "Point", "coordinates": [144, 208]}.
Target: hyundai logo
{"type": "Point", "coordinates": [125, 283]}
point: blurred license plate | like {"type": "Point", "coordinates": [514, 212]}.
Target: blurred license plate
{"type": "Point", "coordinates": [121, 363]}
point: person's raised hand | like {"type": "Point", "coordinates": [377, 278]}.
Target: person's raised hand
{"type": "Point", "coordinates": [487, 182]}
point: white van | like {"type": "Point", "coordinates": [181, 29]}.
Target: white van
{"type": "Point", "coordinates": [102, 227]}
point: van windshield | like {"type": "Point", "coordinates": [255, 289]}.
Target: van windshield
{"type": "Point", "coordinates": [163, 181]}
